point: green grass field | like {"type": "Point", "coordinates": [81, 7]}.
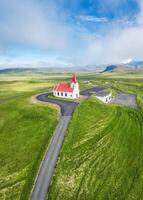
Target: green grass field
{"type": "Point", "coordinates": [25, 132]}
{"type": "Point", "coordinates": [102, 157]}
{"type": "Point", "coordinates": [102, 154]}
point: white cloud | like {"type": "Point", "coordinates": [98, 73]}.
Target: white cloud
{"type": "Point", "coordinates": [43, 26]}
{"type": "Point", "coordinates": [91, 18]}
{"type": "Point", "coordinates": [119, 44]}
{"type": "Point", "coordinates": [33, 23]}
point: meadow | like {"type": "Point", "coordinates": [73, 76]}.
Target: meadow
{"type": "Point", "coordinates": [102, 154]}
{"type": "Point", "coordinates": [26, 129]}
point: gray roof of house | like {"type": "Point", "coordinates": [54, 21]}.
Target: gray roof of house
{"type": "Point", "coordinates": [102, 93]}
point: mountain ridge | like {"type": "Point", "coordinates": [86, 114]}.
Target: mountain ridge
{"type": "Point", "coordinates": [132, 66]}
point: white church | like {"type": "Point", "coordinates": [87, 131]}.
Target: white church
{"type": "Point", "coordinates": [70, 90]}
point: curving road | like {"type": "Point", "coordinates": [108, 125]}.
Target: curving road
{"type": "Point", "coordinates": [67, 107]}
{"type": "Point", "coordinates": [48, 164]}
{"type": "Point", "coordinates": [46, 171]}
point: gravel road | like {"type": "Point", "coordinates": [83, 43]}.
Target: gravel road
{"type": "Point", "coordinates": [67, 107]}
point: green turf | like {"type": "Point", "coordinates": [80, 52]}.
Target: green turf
{"type": "Point", "coordinates": [25, 132]}
{"type": "Point", "coordinates": [102, 157]}
{"type": "Point", "coordinates": [102, 154]}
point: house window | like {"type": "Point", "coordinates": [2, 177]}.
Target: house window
{"type": "Point", "coordinates": [65, 94]}
{"type": "Point", "coordinates": [58, 93]}
{"type": "Point", "coordinates": [61, 94]}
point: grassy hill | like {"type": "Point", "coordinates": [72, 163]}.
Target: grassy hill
{"type": "Point", "coordinates": [102, 155]}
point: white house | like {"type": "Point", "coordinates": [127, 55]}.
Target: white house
{"type": "Point", "coordinates": [104, 96]}
{"type": "Point", "coordinates": [70, 90]}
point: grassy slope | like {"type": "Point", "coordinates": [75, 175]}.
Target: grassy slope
{"type": "Point", "coordinates": [102, 155]}
{"type": "Point", "coordinates": [25, 132]}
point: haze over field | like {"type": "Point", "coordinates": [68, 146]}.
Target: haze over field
{"type": "Point", "coordinates": [60, 33]}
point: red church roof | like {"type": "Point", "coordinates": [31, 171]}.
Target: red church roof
{"type": "Point", "coordinates": [74, 79]}
{"type": "Point", "coordinates": [63, 88]}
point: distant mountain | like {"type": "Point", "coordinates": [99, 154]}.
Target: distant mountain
{"type": "Point", "coordinates": [14, 70]}
{"type": "Point", "coordinates": [110, 68]}
{"type": "Point", "coordinates": [25, 71]}
{"type": "Point", "coordinates": [114, 68]}
{"type": "Point", "coordinates": [28, 71]}
{"type": "Point", "coordinates": [128, 66]}
{"type": "Point", "coordinates": [135, 64]}
{"type": "Point", "coordinates": [76, 69]}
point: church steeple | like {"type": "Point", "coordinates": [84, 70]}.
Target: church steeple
{"type": "Point", "coordinates": [74, 79]}
{"type": "Point", "coordinates": [74, 83]}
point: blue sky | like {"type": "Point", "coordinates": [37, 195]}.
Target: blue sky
{"type": "Point", "coordinates": [56, 33]}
